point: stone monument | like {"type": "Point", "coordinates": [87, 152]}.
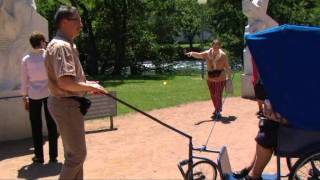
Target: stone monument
{"type": "Point", "coordinates": [258, 19]}
{"type": "Point", "coordinates": [18, 19]}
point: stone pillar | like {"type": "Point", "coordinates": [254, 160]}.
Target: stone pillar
{"type": "Point", "coordinates": [18, 19]}
{"type": "Point", "coordinates": [258, 19]}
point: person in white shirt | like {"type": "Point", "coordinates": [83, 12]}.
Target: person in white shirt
{"type": "Point", "coordinates": [34, 89]}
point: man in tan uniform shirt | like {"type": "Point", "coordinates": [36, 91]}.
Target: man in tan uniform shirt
{"type": "Point", "coordinates": [66, 79]}
{"type": "Point", "coordinates": [218, 71]}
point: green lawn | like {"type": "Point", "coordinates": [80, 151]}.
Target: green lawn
{"type": "Point", "coordinates": [151, 92]}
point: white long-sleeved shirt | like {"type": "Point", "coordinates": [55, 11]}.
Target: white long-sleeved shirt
{"type": "Point", "coordinates": [34, 79]}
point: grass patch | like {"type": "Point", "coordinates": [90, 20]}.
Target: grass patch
{"type": "Point", "coordinates": [150, 92]}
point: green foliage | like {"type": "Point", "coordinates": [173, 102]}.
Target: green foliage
{"type": "Point", "coordinates": [48, 9]}
{"type": "Point", "coordinates": [165, 54]}
{"type": "Point", "coordinates": [162, 20]}
{"type": "Point", "coordinates": [228, 22]}
{"type": "Point", "coordinates": [121, 33]}
{"type": "Point", "coordinates": [188, 19]}
{"type": "Point", "coordinates": [301, 12]}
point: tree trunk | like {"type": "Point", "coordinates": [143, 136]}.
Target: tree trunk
{"type": "Point", "coordinates": [190, 39]}
{"type": "Point", "coordinates": [94, 54]}
{"type": "Point", "coordinates": [120, 22]}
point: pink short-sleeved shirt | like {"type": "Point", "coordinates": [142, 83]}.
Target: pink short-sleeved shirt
{"type": "Point", "coordinates": [62, 59]}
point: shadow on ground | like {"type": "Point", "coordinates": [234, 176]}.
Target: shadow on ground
{"type": "Point", "coordinates": [223, 119]}
{"type": "Point", "coordinates": [11, 149]}
{"type": "Point", "coordinates": [36, 171]}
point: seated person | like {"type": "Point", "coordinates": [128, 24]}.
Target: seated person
{"type": "Point", "coordinates": [266, 144]}
{"type": "Point", "coordinates": [260, 96]}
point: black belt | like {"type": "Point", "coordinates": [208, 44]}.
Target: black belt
{"type": "Point", "coordinates": [214, 73]}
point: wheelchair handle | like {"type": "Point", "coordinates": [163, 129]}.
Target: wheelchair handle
{"type": "Point", "coordinates": [184, 162]}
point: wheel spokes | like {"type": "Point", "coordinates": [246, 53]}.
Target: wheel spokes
{"type": "Point", "coordinates": [310, 170]}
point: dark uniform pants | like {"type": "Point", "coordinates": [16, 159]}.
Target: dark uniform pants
{"type": "Point", "coordinates": [35, 116]}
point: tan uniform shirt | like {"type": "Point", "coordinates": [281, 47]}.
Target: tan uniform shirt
{"type": "Point", "coordinates": [62, 59]}
{"type": "Point", "coordinates": [218, 62]}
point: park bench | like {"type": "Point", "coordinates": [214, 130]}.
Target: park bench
{"type": "Point", "coordinates": [102, 106]}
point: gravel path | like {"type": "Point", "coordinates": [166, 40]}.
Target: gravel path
{"type": "Point", "coordinates": [143, 149]}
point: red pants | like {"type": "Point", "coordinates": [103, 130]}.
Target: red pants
{"type": "Point", "coordinates": [216, 91]}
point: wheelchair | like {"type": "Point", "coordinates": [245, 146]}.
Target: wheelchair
{"type": "Point", "coordinates": [300, 147]}
{"type": "Point", "coordinates": [303, 145]}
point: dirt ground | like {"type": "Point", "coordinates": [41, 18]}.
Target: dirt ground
{"type": "Point", "coordinates": [143, 149]}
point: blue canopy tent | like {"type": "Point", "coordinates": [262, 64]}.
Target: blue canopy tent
{"type": "Point", "coordinates": [288, 60]}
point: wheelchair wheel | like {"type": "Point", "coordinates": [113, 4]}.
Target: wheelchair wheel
{"type": "Point", "coordinates": [203, 170]}
{"type": "Point", "coordinates": [290, 162]}
{"type": "Point", "coordinates": [306, 168]}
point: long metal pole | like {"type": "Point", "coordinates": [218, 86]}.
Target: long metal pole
{"type": "Point", "coordinates": [201, 43]}
{"type": "Point", "coordinates": [10, 97]}
{"type": "Point", "coordinates": [151, 117]}
{"type": "Point", "coordinates": [190, 162]}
